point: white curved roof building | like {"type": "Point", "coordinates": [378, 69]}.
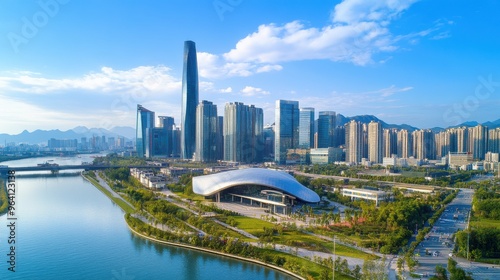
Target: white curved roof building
{"type": "Point", "coordinates": [213, 184]}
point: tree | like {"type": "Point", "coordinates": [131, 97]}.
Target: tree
{"type": "Point", "coordinates": [375, 270]}
{"type": "Point", "coordinates": [441, 273]}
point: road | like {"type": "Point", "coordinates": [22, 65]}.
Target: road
{"type": "Point", "coordinates": [439, 243]}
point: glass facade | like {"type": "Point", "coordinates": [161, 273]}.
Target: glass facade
{"type": "Point", "coordinates": [326, 129]}
{"type": "Point", "coordinates": [189, 100]}
{"type": "Point", "coordinates": [286, 128]}
{"type": "Point", "coordinates": [306, 128]}
{"type": "Point", "coordinates": [144, 125]}
{"type": "Point", "coordinates": [206, 132]}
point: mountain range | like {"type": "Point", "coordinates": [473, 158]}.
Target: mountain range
{"type": "Point", "coordinates": [42, 136]}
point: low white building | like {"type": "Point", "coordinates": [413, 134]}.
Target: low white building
{"type": "Point", "coordinates": [356, 193]}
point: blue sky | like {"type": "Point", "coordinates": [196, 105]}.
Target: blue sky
{"type": "Point", "coordinates": [65, 63]}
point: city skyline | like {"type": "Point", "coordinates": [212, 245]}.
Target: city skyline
{"type": "Point", "coordinates": [66, 64]}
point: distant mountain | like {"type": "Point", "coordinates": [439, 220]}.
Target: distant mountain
{"type": "Point", "coordinates": [342, 120]}
{"type": "Point", "coordinates": [125, 131]}
{"type": "Point", "coordinates": [42, 136]}
{"type": "Point", "coordinates": [489, 124]}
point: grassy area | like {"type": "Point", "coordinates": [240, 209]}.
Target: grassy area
{"type": "Point", "coordinates": [291, 237]}
{"type": "Point", "coordinates": [4, 200]}
{"type": "Point", "coordinates": [413, 174]}
{"type": "Point", "coordinates": [116, 200]}
{"type": "Point", "coordinates": [481, 222]}
{"type": "Point", "coordinates": [252, 225]}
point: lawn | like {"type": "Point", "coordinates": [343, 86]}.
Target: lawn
{"type": "Point", "coordinates": [485, 223]}
{"type": "Point", "coordinates": [291, 237]}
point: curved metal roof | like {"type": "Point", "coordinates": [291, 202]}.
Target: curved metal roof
{"type": "Point", "coordinates": [210, 184]}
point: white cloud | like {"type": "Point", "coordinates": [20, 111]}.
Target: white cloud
{"type": "Point", "coordinates": [253, 91]}
{"type": "Point", "coordinates": [226, 90]}
{"type": "Point", "coordinates": [154, 79]}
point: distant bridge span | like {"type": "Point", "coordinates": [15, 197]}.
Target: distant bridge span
{"type": "Point", "coordinates": [56, 168]}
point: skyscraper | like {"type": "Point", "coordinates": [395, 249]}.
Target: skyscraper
{"type": "Point", "coordinates": [167, 126]}
{"type": "Point", "coordinates": [405, 146]}
{"type": "Point", "coordinates": [354, 141]}
{"type": "Point", "coordinates": [375, 142]}
{"type": "Point", "coordinates": [243, 126]}
{"type": "Point", "coordinates": [424, 144]}
{"type": "Point", "coordinates": [144, 125]}
{"type": "Point", "coordinates": [326, 129]}
{"type": "Point", "coordinates": [206, 132]}
{"type": "Point", "coordinates": [390, 142]}
{"type": "Point", "coordinates": [286, 128]}
{"type": "Point", "coordinates": [189, 100]}
{"type": "Point", "coordinates": [479, 141]}
{"type": "Point", "coordinates": [306, 128]}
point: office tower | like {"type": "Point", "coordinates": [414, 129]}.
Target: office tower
{"type": "Point", "coordinates": [243, 127]}
{"type": "Point", "coordinates": [339, 136]}
{"type": "Point", "coordinates": [375, 147]}
{"type": "Point", "coordinates": [286, 128]}
{"type": "Point", "coordinates": [176, 142]}
{"type": "Point", "coordinates": [326, 129]}
{"type": "Point", "coordinates": [390, 140]}
{"type": "Point", "coordinates": [144, 123]}
{"type": "Point", "coordinates": [424, 144]}
{"type": "Point", "coordinates": [161, 138]}
{"type": "Point", "coordinates": [111, 143]}
{"type": "Point", "coordinates": [220, 138]}
{"type": "Point", "coordinates": [189, 100]}
{"type": "Point", "coordinates": [479, 143]}
{"type": "Point", "coordinates": [306, 128]}
{"type": "Point", "coordinates": [354, 141]}
{"type": "Point", "coordinates": [268, 138]}
{"type": "Point", "coordinates": [84, 144]}
{"type": "Point", "coordinates": [206, 132]}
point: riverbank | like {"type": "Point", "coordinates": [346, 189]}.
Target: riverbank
{"type": "Point", "coordinates": [124, 205]}
{"type": "Point", "coordinates": [295, 262]}
{"type": "Point", "coordinates": [4, 200]}
{"type": "Point", "coordinates": [214, 252]}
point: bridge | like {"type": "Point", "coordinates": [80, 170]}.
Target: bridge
{"type": "Point", "coordinates": [55, 168]}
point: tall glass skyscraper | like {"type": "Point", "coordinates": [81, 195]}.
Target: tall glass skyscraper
{"type": "Point", "coordinates": [145, 122]}
{"type": "Point", "coordinates": [326, 129]}
{"type": "Point", "coordinates": [286, 128]}
{"type": "Point", "coordinates": [306, 128]}
{"type": "Point", "coordinates": [189, 100]}
{"type": "Point", "coordinates": [206, 132]}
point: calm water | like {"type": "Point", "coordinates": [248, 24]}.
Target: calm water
{"type": "Point", "coordinates": [67, 229]}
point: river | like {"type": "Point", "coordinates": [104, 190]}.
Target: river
{"type": "Point", "coordinates": [67, 229]}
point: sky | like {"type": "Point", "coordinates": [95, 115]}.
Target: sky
{"type": "Point", "coordinates": [68, 63]}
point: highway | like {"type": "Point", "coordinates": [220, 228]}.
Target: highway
{"type": "Point", "coordinates": [439, 242]}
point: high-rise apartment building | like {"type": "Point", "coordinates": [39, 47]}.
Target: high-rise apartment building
{"type": "Point", "coordinates": [189, 100]}
{"type": "Point", "coordinates": [479, 141]}
{"type": "Point", "coordinates": [390, 140]}
{"type": "Point", "coordinates": [354, 141]}
{"type": "Point", "coordinates": [405, 144]}
{"type": "Point", "coordinates": [424, 144]}
{"type": "Point", "coordinates": [326, 129]}
{"type": "Point", "coordinates": [286, 129]}
{"type": "Point", "coordinates": [206, 132]}
{"type": "Point", "coordinates": [494, 140]}
{"type": "Point", "coordinates": [243, 127]}
{"type": "Point", "coordinates": [306, 128]}
{"type": "Point", "coordinates": [375, 147]}
{"type": "Point", "coordinates": [144, 125]}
